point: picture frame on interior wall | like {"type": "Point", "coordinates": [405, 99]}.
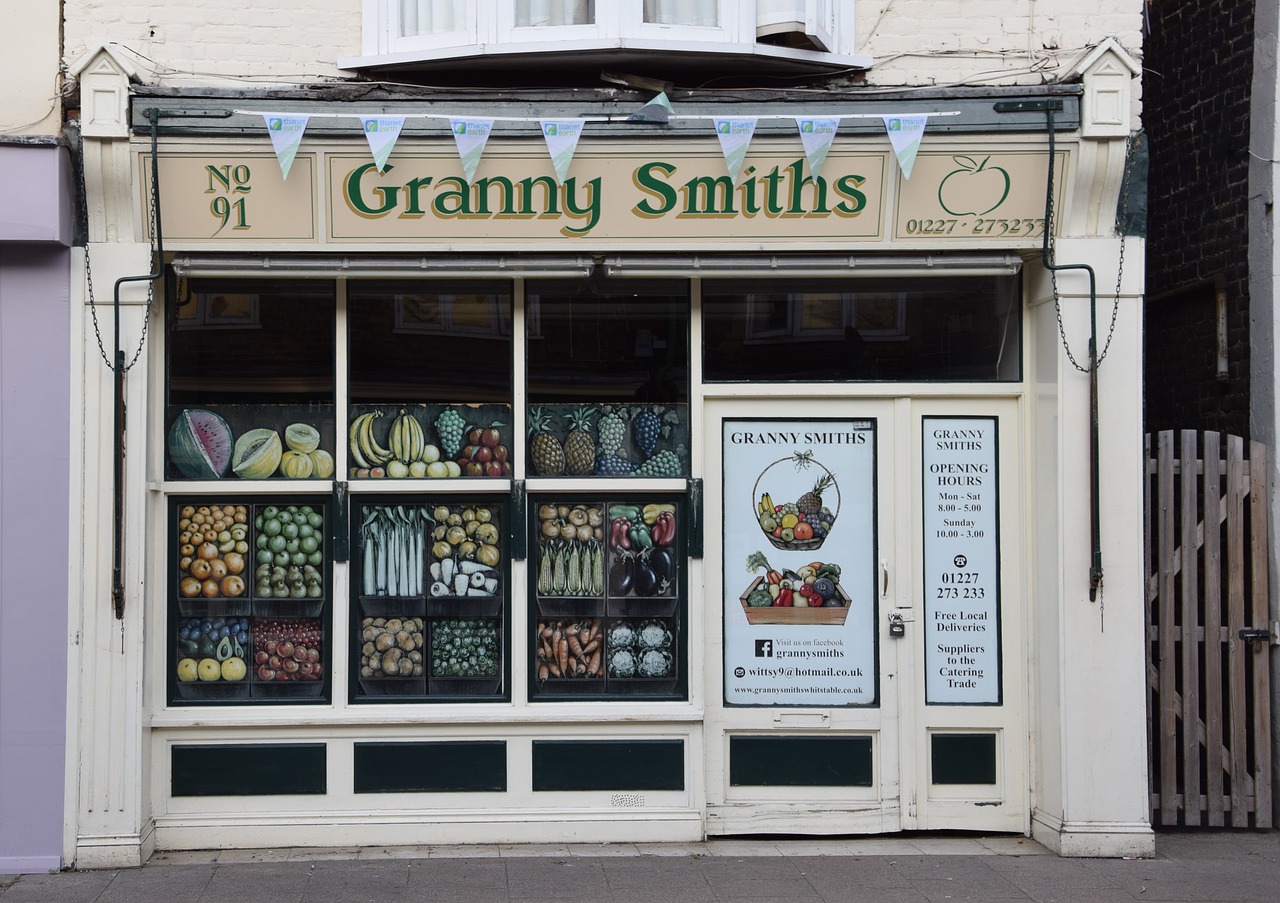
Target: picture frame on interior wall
{"type": "Point", "coordinates": [219, 310]}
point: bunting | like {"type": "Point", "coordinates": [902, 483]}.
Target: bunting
{"type": "Point", "coordinates": [817, 134]}
{"type": "Point", "coordinates": [905, 133]}
{"type": "Point", "coordinates": [286, 131]}
{"type": "Point", "coordinates": [561, 136]}
{"type": "Point", "coordinates": [382, 132]}
{"type": "Point", "coordinates": [470, 135]}
{"type": "Point", "coordinates": [735, 137]}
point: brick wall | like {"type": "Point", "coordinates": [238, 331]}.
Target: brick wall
{"type": "Point", "coordinates": [913, 42]}
{"type": "Point", "coordinates": [1199, 63]}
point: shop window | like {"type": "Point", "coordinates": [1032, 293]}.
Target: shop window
{"type": "Point", "coordinates": [959, 330]}
{"type": "Point", "coordinates": [608, 372]}
{"type": "Point", "coordinates": [607, 597]}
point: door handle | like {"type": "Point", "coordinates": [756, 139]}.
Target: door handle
{"type": "Point", "coordinates": [884, 579]}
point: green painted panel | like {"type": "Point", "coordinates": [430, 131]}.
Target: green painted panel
{"type": "Point", "coordinates": [248, 769]}
{"type": "Point", "coordinates": [608, 765]}
{"type": "Point", "coordinates": [964, 758]}
{"type": "Point", "coordinates": [440, 767]}
{"type": "Point", "coordinates": [801, 761]}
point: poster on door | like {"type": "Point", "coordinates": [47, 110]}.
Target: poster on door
{"type": "Point", "coordinates": [961, 490]}
{"type": "Point", "coordinates": [800, 562]}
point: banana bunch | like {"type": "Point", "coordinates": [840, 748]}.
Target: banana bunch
{"type": "Point", "coordinates": [407, 440]}
{"type": "Point", "coordinates": [365, 450]}
{"type": "Point", "coordinates": [766, 504]}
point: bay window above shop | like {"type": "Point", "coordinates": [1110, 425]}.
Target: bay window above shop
{"type": "Point", "coordinates": [443, 34]}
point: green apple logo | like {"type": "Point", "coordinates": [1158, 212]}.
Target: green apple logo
{"type": "Point", "coordinates": [973, 185]}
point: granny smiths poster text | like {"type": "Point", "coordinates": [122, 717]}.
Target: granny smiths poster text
{"type": "Point", "coordinates": [799, 562]}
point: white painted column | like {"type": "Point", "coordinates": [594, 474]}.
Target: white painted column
{"type": "Point", "coordinates": [1089, 672]}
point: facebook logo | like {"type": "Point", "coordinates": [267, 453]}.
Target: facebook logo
{"type": "Point", "coordinates": [764, 648]}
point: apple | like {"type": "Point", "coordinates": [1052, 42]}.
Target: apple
{"type": "Point", "coordinates": [493, 469]}
{"type": "Point", "coordinates": [975, 189]}
{"type": "Point", "coordinates": [187, 670]}
{"type": "Point", "coordinates": [491, 437]}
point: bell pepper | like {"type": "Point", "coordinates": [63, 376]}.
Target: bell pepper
{"type": "Point", "coordinates": [784, 598]}
{"type": "Point", "coordinates": [664, 528]}
{"type": "Point", "coordinates": [640, 537]}
{"type": "Point", "coordinates": [619, 533]}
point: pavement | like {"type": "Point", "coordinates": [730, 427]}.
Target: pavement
{"type": "Point", "coordinates": [1218, 867]}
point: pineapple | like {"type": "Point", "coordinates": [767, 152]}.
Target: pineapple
{"type": "Point", "coordinates": [545, 451]}
{"type": "Point", "coordinates": [579, 446]}
{"type": "Point", "coordinates": [810, 503]}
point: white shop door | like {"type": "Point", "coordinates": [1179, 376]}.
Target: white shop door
{"type": "Point", "coordinates": [903, 706]}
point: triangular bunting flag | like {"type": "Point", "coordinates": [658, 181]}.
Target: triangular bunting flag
{"type": "Point", "coordinates": [470, 135]}
{"type": "Point", "coordinates": [905, 133]}
{"type": "Point", "coordinates": [382, 132]}
{"type": "Point", "coordinates": [286, 131]}
{"type": "Point", "coordinates": [816, 135]}
{"type": "Point", "coordinates": [656, 110]}
{"type": "Point", "coordinates": [735, 137]}
{"type": "Point", "coordinates": [562, 140]}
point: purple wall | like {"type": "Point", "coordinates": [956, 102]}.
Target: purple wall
{"type": "Point", "coordinates": [35, 411]}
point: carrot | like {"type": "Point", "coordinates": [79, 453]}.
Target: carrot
{"type": "Point", "coordinates": [543, 672]}
{"type": "Point", "coordinates": [554, 670]}
{"type": "Point", "coordinates": [562, 653]}
{"type": "Point", "coordinates": [575, 646]}
{"type": "Point", "coordinates": [591, 647]}
{"type": "Point", "coordinates": [593, 664]}
{"type": "Point", "coordinates": [573, 629]}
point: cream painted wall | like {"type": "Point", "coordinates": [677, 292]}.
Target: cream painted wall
{"type": "Point", "coordinates": [913, 42]}
{"type": "Point", "coordinates": [28, 70]}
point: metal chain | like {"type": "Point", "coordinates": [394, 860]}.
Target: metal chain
{"type": "Point", "coordinates": [1053, 274]}
{"type": "Point", "coordinates": [88, 267]}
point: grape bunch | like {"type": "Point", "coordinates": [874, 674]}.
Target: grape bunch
{"type": "Point", "coordinates": [646, 428]}
{"type": "Point", "coordinates": [449, 427]}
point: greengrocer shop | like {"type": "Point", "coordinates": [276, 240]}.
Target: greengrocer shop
{"type": "Point", "coordinates": [632, 503]}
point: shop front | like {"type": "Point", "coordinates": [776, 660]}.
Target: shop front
{"type": "Point", "coordinates": [638, 503]}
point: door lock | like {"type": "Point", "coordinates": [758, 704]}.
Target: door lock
{"type": "Point", "coordinates": [897, 626]}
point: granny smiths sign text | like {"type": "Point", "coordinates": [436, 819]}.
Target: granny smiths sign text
{"type": "Point", "coordinates": [653, 193]}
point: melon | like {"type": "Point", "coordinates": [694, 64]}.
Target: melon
{"type": "Point", "coordinates": [302, 437]}
{"type": "Point", "coordinates": [257, 454]}
{"type": "Point", "coordinates": [200, 445]}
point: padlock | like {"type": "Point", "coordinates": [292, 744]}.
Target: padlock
{"type": "Point", "coordinates": [897, 627]}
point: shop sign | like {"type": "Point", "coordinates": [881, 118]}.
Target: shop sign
{"type": "Point", "coordinates": [961, 561]}
{"type": "Point", "coordinates": [799, 562]}
{"type": "Point", "coordinates": [646, 194]}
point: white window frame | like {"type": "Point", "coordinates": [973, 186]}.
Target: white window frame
{"type": "Point", "coordinates": [491, 29]}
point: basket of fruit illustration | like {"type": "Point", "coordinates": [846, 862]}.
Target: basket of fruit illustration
{"type": "Point", "coordinates": [811, 594]}
{"type": "Point", "coordinates": [804, 523]}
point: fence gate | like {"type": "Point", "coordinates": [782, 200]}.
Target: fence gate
{"type": "Point", "coordinates": [1208, 631]}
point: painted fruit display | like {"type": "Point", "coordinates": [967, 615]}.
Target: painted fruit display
{"type": "Point", "coordinates": [571, 555]}
{"type": "Point", "coordinates": [301, 437]}
{"type": "Point", "coordinates": [465, 647]}
{"type": "Point", "coordinates": [289, 552]}
{"type": "Point", "coordinates": [257, 454]}
{"type": "Point", "coordinates": [213, 548]}
{"type": "Point", "coordinates": [287, 649]}
{"type": "Point", "coordinates": [464, 552]}
{"type": "Point", "coordinates": [570, 649]}
{"type": "Point", "coordinates": [392, 647]}
{"type": "Point", "coordinates": [212, 649]}
{"type": "Point", "coordinates": [200, 445]}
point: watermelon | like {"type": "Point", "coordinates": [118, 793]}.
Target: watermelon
{"type": "Point", "coordinates": [200, 444]}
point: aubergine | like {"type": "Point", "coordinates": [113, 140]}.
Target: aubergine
{"type": "Point", "coordinates": [663, 562]}
{"type": "Point", "coordinates": [621, 576]}
{"type": "Point", "coordinates": [646, 579]}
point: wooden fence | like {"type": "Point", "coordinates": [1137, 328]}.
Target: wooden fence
{"type": "Point", "coordinates": [1208, 631]}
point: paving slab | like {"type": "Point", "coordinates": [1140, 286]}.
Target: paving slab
{"type": "Point", "coordinates": [1189, 867]}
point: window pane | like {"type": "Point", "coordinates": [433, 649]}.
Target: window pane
{"type": "Point", "coordinates": [608, 379]}
{"type": "Point", "coordinates": [682, 12]}
{"type": "Point", "coordinates": [965, 329]}
{"type": "Point", "coordinates": [543, 13]}
{"type": "Point", "coordinates": [437, 341]}
{"type": "Point", "coordinates": [427, 17]}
